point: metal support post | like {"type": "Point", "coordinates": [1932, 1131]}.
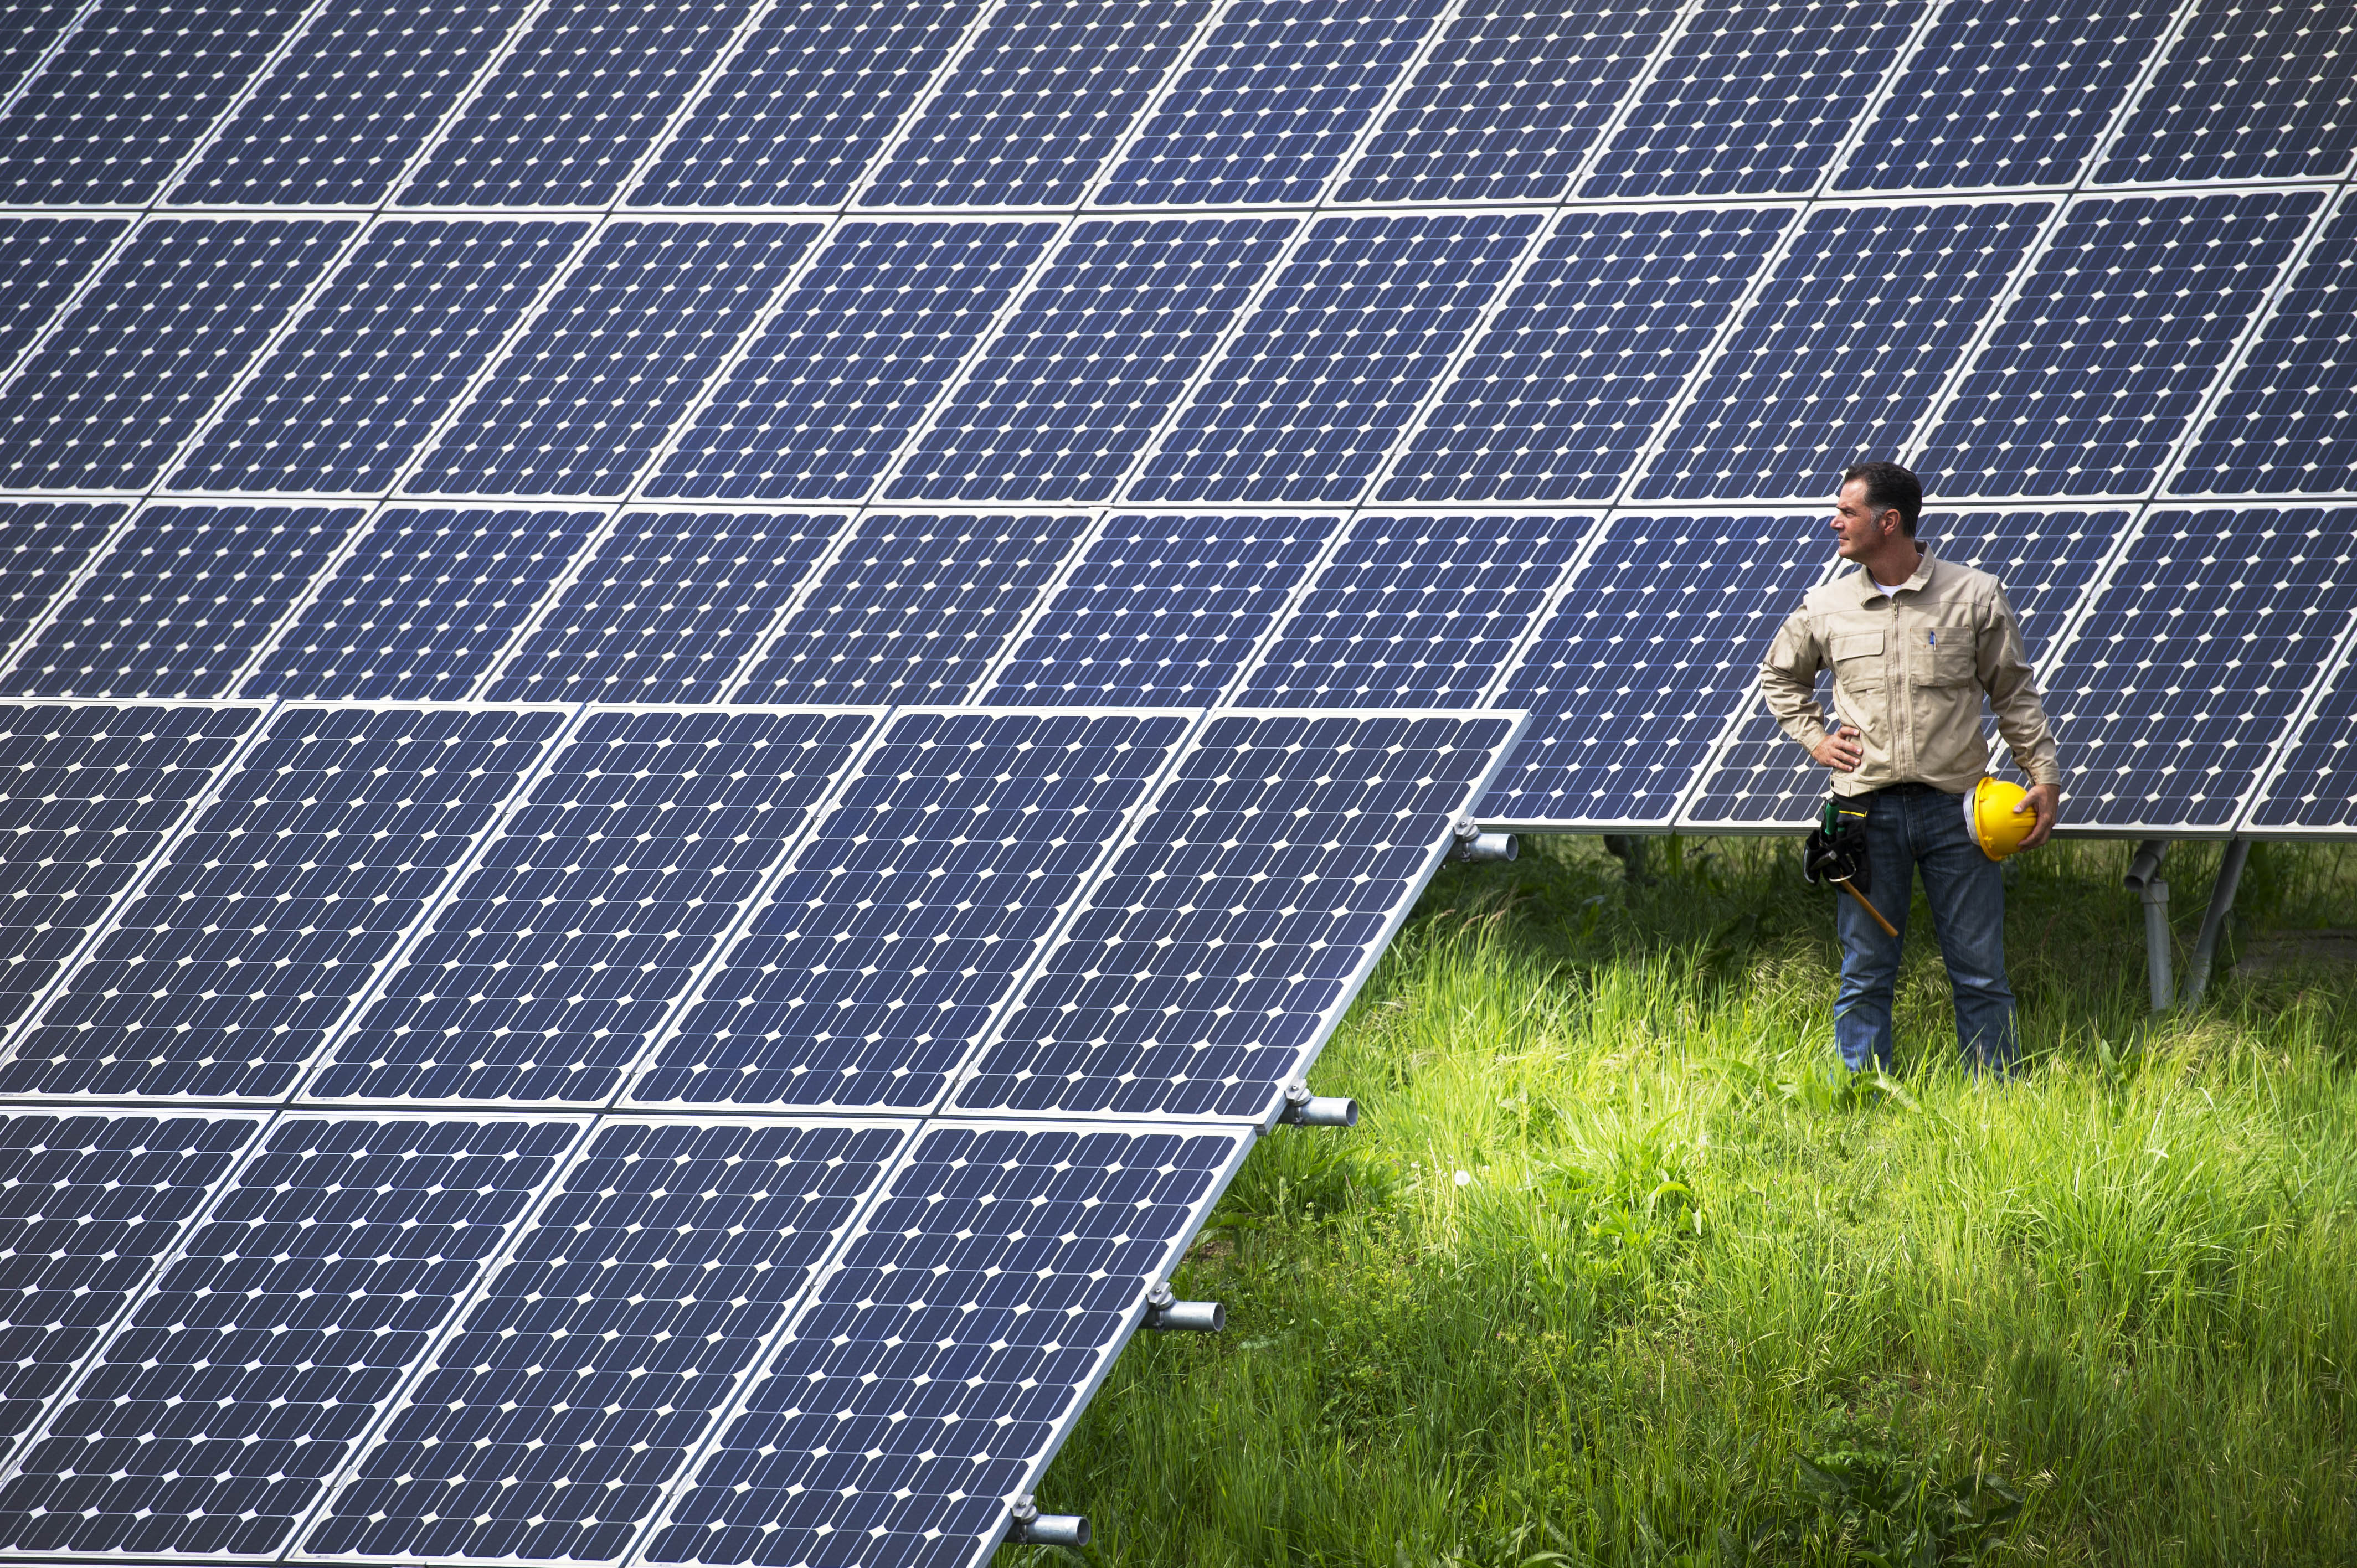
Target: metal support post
{"type": "Point", "coordinates": [2213, 922]}
{"type": "Point", "coordinates": [2143, 880]}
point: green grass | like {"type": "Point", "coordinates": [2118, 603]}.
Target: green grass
{"type": "Point", "coordinates": [1611, 1272]}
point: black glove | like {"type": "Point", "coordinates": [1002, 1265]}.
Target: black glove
{"type": "Point", "coordinates": [1836, 849]}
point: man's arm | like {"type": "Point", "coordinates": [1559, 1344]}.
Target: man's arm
{"type": "Point", "coordinates": [1787, 684]}
{"type": "Point", "coordinates": [2012, 687]}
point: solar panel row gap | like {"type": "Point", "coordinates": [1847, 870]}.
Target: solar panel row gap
{"type": "Point", "coordinates": [373, 1057]}
{"type": "Point", "coordinates": [777, 1020]}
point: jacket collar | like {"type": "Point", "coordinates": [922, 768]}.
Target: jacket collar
{"type": "Point", "coordinates": [1869, 592]}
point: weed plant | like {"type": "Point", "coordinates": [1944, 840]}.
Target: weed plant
{"type": "Point", "coordinates": [1613, 1271]}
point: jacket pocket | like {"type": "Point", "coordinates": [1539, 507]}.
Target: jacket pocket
{"type": "Point", "coordinates": [1946, 657]}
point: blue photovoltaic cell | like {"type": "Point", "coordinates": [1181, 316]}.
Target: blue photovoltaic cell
{"type": "Point", "coordinates": [1509, 102]}
{"type": "Point", "coordinates": [212, 1421]}
{"type": "Point", "coordinates": [33, 27]}
{"type": "Point", "coordinates": [595, 1361]}
{"type": "Point", "coordinates": [1203, 972]}
{"type": "Point", "coordinates": [794, 117]}
{"type": "Point", "coordinates": [42, 545]}
{"type": "Point", "coordinates": [1752, 100]}
{"type": "Point", "coordinates": [2247, 92]}
{"type": "Point", "coordinates": [351, 103]}
{"type": "Point", "coordinates": [568, 114]}
{"type": "Point", "coordinates": [1335, 360]}
{"type": "Point", "coordinates": [2185, 672]}
{"type": "Point", "coordinates": [2044, 560]}
{"type": "Point", "coordinates": [1651, 647]}
{"type": "Point", "coordinates": [1272, 101]}
{"type": "Point", "coordinates": [181, 602]}
{"type": "Point", "coordinates": [421, 605]}
{"type": "Point", "coordinates": [1075, 382]}
{"type": "Point", "coordinates": [914, 609]}
{"type": "Point", "coordinates": [142, 356]}
{"type": "Point", "coordinates": [851, 361]}
{"type": "Point", "coordinates": [1037, 103]}
{"type": "Point", "coordinates": [1842, 352]}
{"type": "Point", "coordinates": [88, 1206]}
{"type": "Point", "coordinates": [2317, 787]}
{"type": "Point", "coordinates": [667, 609]}
{"type": "Point", "coordinates": [2106, 351]}
{"type": "Point", "coordinates": [41, 260]}
{"type": "Point", "coordinates": [86, 796]}
{"type": "Point", "coordinates": [928, 1382]}
{"type": "Point", "coordinates": [1605, 329]}
{"type": "Point", "coordinates": [549, 969]}
{"type": "Point", "coordinates": [243, 948]}
{"type": "Point", "coordinates": [1161, 611]}
{"type": "Point", "coordinates": [2007, 93]}
{"type": "Point", "coordinates": [1413, 612]}
{"type": "Point", "coordinates": [879, 958]}
{"type": "Point", "coordinates": [392, 340]}
{"type": "Point", "coordinates": [129, 94]}
{"type": "Point", "coordinates": [586, 395]}
{"type": "Point", "coordinates": [2289, 422]}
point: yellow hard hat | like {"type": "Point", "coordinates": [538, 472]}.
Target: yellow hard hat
{"type": "Point", "coordinates": [1989, 817]}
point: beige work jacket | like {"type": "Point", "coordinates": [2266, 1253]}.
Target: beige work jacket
{"type": "Point", "coordinates": [1909, 667]}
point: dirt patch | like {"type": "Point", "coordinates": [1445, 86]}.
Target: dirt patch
{"type": "Point", "coordinates": [2296, 949]}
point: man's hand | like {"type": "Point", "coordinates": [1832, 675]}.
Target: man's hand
{"type": "Point", "coordinates": [1838, 751]}
{"type": "Point", "coordinates": [2046, 800]}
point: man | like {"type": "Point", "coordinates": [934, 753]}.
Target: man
{"type": "Point", "coordinates": [1914, 642]}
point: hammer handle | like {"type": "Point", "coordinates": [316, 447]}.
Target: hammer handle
{"type": "Point", "coordinates": [1851, 888]}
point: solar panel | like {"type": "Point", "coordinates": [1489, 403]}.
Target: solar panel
{"type": "Point", "coordinates": [1036, 104]}
{"type": "Point", "coordinates": [2043, 560]}
{"type": "Point", "coordinates": [950, 1349]}
{"type": "Point", "coordinates": [89, 1204]}
{"type": "Point", "coordinates": [1510, 102]}
{"type": "Point", "coordinates": [1753, 99]}
{"type": "Point", "coordinates": [669, 299]}
{"type": "Point", "coordinates": [35, 30]}
{"type": "Point", "coordinates": [359, 381]}
{"type": "Point", "coordinates": [667, 608]}
{"type": "Point", "coordinates": [911, 609]}
{"type": "Point", "coordinates": [804, 104]}
{"type": "Point", "coordinates": [42, 261]}
{"type": "Point", "coordinates": [1162, 611]}
{"type": "Point", "coordinates": [1272, 103]}
{"type": "Point", "coordinates": [180, 602]}
{"type": "Point", "coordinates": [881, 956]}
{"type": "Point", "coordinates": [1413, 612]}
{"type": "Point", "coordinates": [1335, 360]}
{"type": "Point", "coordinates": [2247, 93]}
{"type": "Point", "coordinates": [329, 837]}
{"type": "Point", "coordinates": [423, 606]}
{"type": "Point", "coordinates": [340, 115]}
{"type": "Point", "coordinates": [2011, 93]}
{"type": "Point", "coordinates": [835, 379]}
{"type": "Point", "coordinates": [1648, 649]}
{"type": "Point", "coordinates": [1205, 971]}
{"type": "Point", "coordinates": [141, 356]}
{"type": "Point", "coordinates": [588, 1371]}
{"type": "Point", "coordinates": [1603, 332]}
{"type": "Point", "coordinates": [129, 94]}
{"type": "Point", "coordinates": [1072, 387]}
{"type": "Point", "coordinates": [2192, 659]}
{"type": "Point", "coordinates": [211, 1421]}
{"type": "Point", "coordinates": [2283, 423]}
{"type": "Point", "coordinates": [43, 546]}
{"type": "Point", "coordinates": [87, 795]}
{"type": "Point", "coordinates": [2103, 356]}
{"type": "Point", "coordinates": [593, 907]}
{"type": "Point", "coordinates": [1843, 350]}
{"type": "Point", "coordinates": [2313, 786]}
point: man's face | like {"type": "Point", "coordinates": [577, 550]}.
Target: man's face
{"type": "Point", "coordinates": [1857, 529]}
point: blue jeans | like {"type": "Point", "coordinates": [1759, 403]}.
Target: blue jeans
{"type": "Point", "coordinates": [1966, 891]}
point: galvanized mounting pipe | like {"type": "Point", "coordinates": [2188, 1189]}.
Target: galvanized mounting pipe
{"type": "Point", "coordinates": [1473, 844]}
{"type": "Point", "coordinates": [1031, 1528]}
{"type": "Point", "coordinates": [2214, 922]}
{"type": "Point", "coordinates": [1166, 1312]}
{"type": "Point", "coordinates": [1303, 1108]}
{"type": "Point", "coordinates": [2143, 880]}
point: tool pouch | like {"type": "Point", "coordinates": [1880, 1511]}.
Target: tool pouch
{"type": "Point", "coordinates": [1836, 850]}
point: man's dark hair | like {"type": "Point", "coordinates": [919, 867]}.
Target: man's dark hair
{"type": "Point", "coordinates": [1888, 485]}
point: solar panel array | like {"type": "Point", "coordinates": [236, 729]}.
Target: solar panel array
{"type": "Point", "coordinates": [699, 708]}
